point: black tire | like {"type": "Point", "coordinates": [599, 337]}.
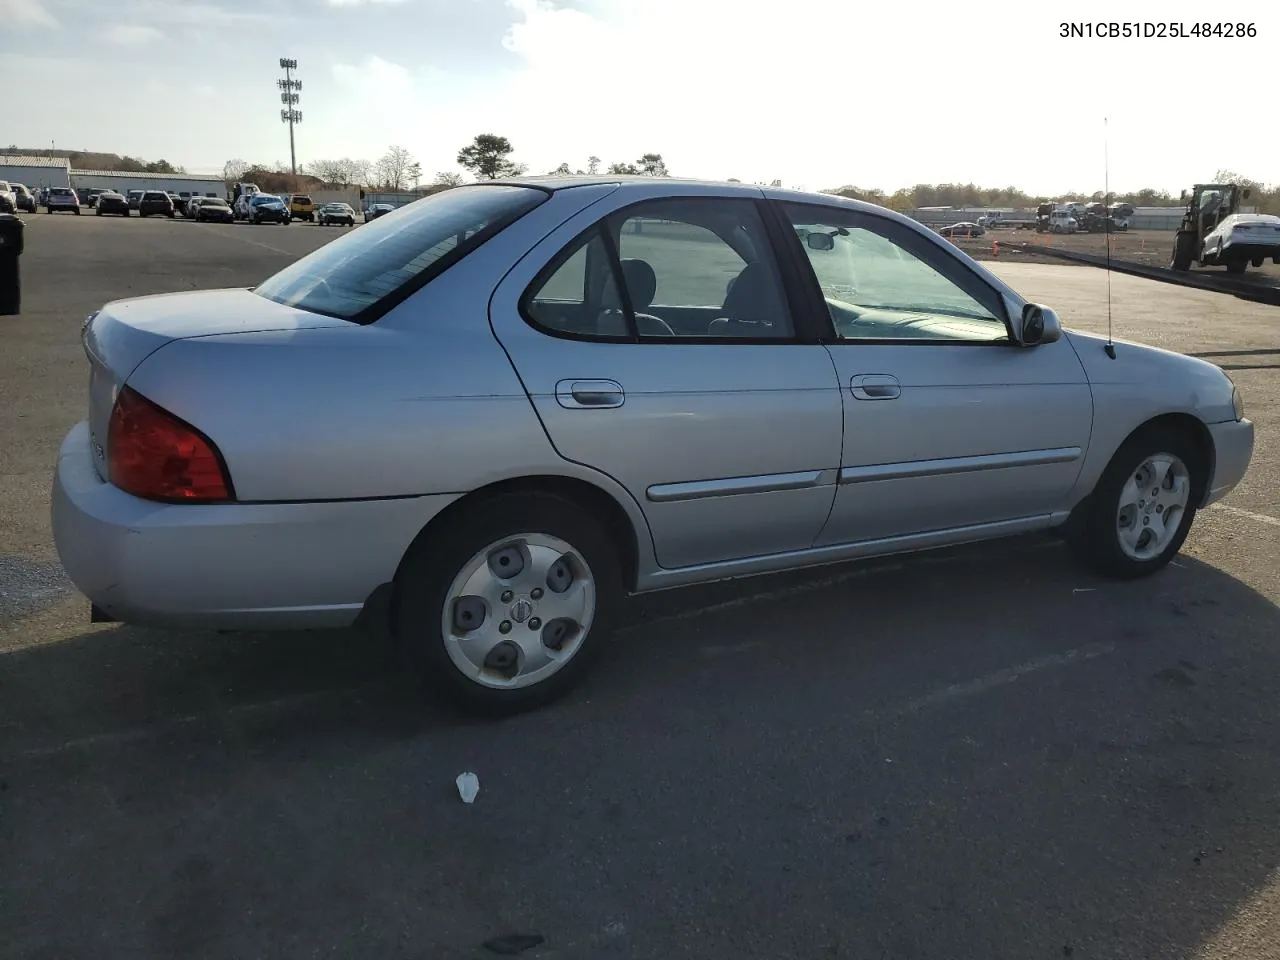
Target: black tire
{"type": "Point", "coordinates": [77, 211]}
{"type": "Point", "coordinates": [1184, 251]}
{"type": "Point", "coordinates": [435, 559]}
{"type": "Point", "coordinates": [1236, 267]}
{"type": "Point", "coordinates": [1095, 538]}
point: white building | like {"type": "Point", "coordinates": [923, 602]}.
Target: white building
{"type": "Point", "coordinates": [35, 172]}
{"type": "Point", "coordinates": [206, 184]}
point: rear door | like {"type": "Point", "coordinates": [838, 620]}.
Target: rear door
{"type": "Point", "coordinates": [716, 410]}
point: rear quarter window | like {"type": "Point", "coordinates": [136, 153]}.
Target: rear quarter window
{"type": "Point", "coordinates": [363, 274]}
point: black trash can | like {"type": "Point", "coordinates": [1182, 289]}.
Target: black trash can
{"type": "Point", "coordinates": [10, 250]}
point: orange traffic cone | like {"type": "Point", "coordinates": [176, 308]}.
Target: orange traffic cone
{"type": "Point", "coordinates": [995, 248]}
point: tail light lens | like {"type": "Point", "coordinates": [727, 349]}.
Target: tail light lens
{"type": "Point", "coordinates": [154, 455]}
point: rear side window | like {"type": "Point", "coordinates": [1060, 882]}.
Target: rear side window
{"type": "Point", "coordinates": [358, 276]}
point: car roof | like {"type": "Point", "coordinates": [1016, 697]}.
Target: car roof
{"type": "Point", "coordinates": [641, 184]}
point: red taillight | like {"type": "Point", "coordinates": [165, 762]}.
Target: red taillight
{"type": "Point", "coordinates": [154, 455]}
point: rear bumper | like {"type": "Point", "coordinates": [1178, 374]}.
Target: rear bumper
{"type": "Point", "coordinates": [1233, 449]}
{"type": "Point", "coordinates": [225, 566]}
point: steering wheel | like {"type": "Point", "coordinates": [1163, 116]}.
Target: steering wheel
{"type": "Point", "coordinates": [657, 327]}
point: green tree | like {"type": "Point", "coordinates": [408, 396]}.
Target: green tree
{"type": "Point", "coordinates": [488, 157]}
{"type": "Point", "coordinates": [651, 165]}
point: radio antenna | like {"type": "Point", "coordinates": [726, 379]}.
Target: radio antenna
{"type": "Point", "coordinates": [1107, 225]}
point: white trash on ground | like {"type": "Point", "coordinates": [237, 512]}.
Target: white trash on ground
{"type": "Point", "coordinates": [468, 786]}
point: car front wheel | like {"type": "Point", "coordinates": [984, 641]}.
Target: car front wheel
{"type": "Point", "coordinates": [1143, 506]}
{"type": "Point", "coordinates": [501, 607]}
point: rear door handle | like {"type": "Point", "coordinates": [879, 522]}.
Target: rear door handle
{"type": "Point", "coordinates": [590, 394]}
{"type": "Point", "coordinates": [875, 386]}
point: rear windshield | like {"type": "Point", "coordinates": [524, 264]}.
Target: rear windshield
{"type": "Point", "coordinates": [155, 196]}
{"type": "Point", "coordinates": [61, 191]}
{"type": "Point", "coordinates": [350, 276]}
{"type": "Point", "coordinates": [301, 199]}
{"type": "Point", "coordinates": [211, 202]}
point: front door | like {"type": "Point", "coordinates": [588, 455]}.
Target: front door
{"type": "Point", "coordinates": [658, 347]}
{"type": "Point", "coordinates": [948, 425]}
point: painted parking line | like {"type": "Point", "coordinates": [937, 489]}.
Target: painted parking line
{"type": "Point", "coordinates": [1248, 514]}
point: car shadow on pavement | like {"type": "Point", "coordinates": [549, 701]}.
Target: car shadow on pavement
{"type": "Point", "coordinates": [982, 752]}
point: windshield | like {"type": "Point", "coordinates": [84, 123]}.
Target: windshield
{"type": "Point", "coordinates": [353, 274]}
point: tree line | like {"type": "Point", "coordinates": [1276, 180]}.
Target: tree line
{"type": "Point", "coordinates": [1265, 199]}
{"type": "Point", "coordinates": [487, 157]}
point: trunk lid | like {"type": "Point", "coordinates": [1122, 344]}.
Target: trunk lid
{"type": "Point", "coordinates": [124, 333]}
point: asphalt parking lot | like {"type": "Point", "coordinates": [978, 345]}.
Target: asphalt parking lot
{"type": "Point", "coordinates": [981, 753]}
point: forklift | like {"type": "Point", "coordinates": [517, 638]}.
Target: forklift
{"type": "Point", "coordinates": [1208, 206]}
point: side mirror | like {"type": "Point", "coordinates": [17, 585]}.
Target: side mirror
{"type": "Point", "coordinates": [1183, 196]}
{"type": "Point", "coordinates": [820, 241]}
{"type": "Point", "coordinates": [1038, 325]}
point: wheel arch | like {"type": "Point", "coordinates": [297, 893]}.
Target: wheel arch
{"type": "Point", "coordinates": [618, 523]}
{"type": "Point", "coordinates": [1184, 423]}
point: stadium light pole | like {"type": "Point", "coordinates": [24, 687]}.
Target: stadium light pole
{"type": "Point", "coordinates": [290, 94]}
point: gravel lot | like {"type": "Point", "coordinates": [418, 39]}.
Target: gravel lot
{"type": "Point", "coordinates": [981, 753]}
{"type": "Point", "coordinates": [1152, 248]}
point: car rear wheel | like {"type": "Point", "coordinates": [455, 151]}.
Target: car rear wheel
{"type": "Point", "coordinates": [501, 608]}
{"type": "Point", "coordinates": [1143, 505]}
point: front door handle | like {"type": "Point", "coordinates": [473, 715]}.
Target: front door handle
{"type": "Point", "coordinates": [875, 386]}
{"type": "Point", "coordinates": [590, 394]}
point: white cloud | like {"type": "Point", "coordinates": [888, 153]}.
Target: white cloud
{"type": "Point", "coordinates": [130, 34]}
{"type": "Point", "coordinates": [375, 75]}
{"type": "Point", "coordinates": [26, 13]}
{"type": "Point", "coordinates": [357, 3]}
{"type": "Point", "coordinates": [827, 92]}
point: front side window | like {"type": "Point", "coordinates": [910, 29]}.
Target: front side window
{"type": "Point", "coordinates": [882, 281]}
{"type": "Point", "coordinates": [684, 268]}
{"type": "Point", "coordinates": [393, 255]}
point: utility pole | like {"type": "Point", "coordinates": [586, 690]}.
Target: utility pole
{"type": "Point", "coordinates": [290, 95]}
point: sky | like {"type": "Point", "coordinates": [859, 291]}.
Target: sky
{"type": "Point", "coordinates": [815, 93]}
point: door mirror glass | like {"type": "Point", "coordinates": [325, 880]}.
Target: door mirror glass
{"type": "Point", "coordinates": [820, 241]}
{"type": "Point", "coordinates": [1039, 325]}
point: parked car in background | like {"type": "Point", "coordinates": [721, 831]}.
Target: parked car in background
{"type": "Point", "coordinates": [337, 215]}
{"type": "Point", "coordinates": [112, 203]}
{"type": "Point", "coordinates": [178, 200]}
{"type": "Point", "coordinates": [91, 196]}
{"type": "Point", "coordinates": [213, 210]}
{"type": "Point", "coordinates": [24, 200]}
{"type": "Point", "coordinates": [155, 203]}
{"type": "Point", "coordinates": [191, 206]}
{"type": "Point", "coordinates": [962, 229]}
{"type": "Point", "coordinates": [134, 197]}
{"type": "Point", "coordinates": [265, 208]}
{"type": "Point", "coordinates": [301, 207]}
{"type": "Point", "coordinates": [377, 210]}
{"type": "Point", "coordinates": [8, 201]}
{"type": "Point", "coordinates": [570, 443]}
{"type": "Point", "coordinates": [62, 198]}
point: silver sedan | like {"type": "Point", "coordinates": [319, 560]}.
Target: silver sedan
{"type": "Point", "coordinates": [506, 405]}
